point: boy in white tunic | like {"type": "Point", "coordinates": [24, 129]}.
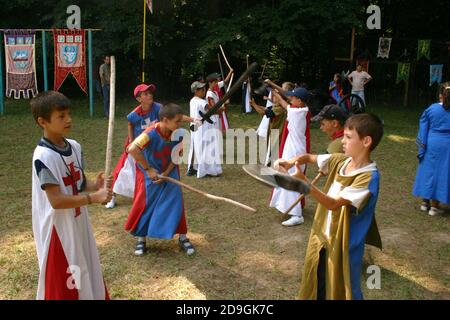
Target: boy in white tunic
{"type": "Point", "coordinates": [68, 259]}
{"type": "Point", "coordinates": [212, 133]}
{"type": "Point", "coordinates": [200, 162]}
{"type": "Point", "coordinates": [297, 142]}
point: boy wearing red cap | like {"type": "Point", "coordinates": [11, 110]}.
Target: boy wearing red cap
{"type": "Point", "coordinates": [142, 117]}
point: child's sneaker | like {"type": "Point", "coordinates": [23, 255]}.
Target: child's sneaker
{"type": "Point", "coordinates": [293, 221]}
{"type": "Point", "coordinates": [140, 248]}
{"type": "Point", "coordinates": [111, 204]}
{"type": "Point", "coordinates": [435, 211]}
{"type": "Point", "coordinates": [187, 246]}
{"type": "Point", "coordinates": [425, 206]}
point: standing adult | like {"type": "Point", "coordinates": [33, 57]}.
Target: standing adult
{"type": "Point", "coordinates": [432, 182]}
{"type": "Point", "coordinates": [358, 79]}
{"type": "Point", "coordinates": [105, 76]}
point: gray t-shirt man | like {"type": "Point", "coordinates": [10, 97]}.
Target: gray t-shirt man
{"type": "Point", "coordinates": [105, 72]}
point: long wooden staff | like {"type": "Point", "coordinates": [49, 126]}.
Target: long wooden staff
{"type": "Point", "coordinates": [229, 67]}
{"type": "Point", "coordinates": [112, 105]}
{"type": "Point", "coordinates": [264, 69]}
{"type": "Point", "coordinates": [320, 174]}
{"type": "Point", "coordinates": [224, 56]}
{"type": "Point", "coordinates": [208, 195]}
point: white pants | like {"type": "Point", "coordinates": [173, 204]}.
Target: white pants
{"type": "Point", "coordinates": [360, 94]}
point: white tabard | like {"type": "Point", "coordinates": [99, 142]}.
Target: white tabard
{"type": "Point", "coordinates": [295, 145]}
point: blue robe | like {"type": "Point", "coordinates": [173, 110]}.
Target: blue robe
{"type": "Point", "coordinates": [433, 174]}
{"type": "Point", "coordinates": [158, 209]}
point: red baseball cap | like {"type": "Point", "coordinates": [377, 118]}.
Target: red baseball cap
{"type": "Point", "coordinates": [143, 87]}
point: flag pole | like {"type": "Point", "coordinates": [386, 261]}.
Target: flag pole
{"type": "Point", "coordinates": [143, 40]}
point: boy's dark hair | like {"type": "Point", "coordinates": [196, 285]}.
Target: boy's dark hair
{"type": "Point", "coordinates": [366, 124]}
{"type": "Point", "coordinates": [170, 111]}
{"type": "Point", "coordinates": [46, 102]}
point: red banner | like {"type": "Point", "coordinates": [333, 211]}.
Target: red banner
{"type": "Point", "coordinates": [364, 62]}
{"type": "Point", "coordinates": [70, 57]}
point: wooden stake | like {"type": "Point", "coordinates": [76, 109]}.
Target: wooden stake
{"type": "Point", "coordinates": [224, 57]}
{"type": "Point", "coordinates": [209, 196]}
{"type": "Point", "coordinates": [112, 104]}
{"type": "Point", "coordinates": [302, 195]}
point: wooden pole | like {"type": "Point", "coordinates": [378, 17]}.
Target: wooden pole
{"type": "Point", "coordinates": [302, 195]}
{"type": "Point", "coordinates": [209, 196]}
{"type": "Point", "coordinates": [2, 101]}
{"type": "Point", "coordinates": [224, 56]}
{"type": "Point", "coordinates": [143, 40]}
{"type": "Point", "coordinates": [91, 87]}
{"type": "Point", "coordinates": [112, 104]}
{"type": "Point", "coordinates": [352, 48]}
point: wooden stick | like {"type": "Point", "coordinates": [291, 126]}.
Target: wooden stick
{"type": "Point", "coordinates": [246, 58]}
{"type": "Point", "coordinates": [264, 68]}
{"type": "Point", "coordinates": [112, 104]}
{"type": "Point", "coordinates": [209, 196]}
{"type": "Point", "coordinates": [302, 195]}
{"type": "Point", "coordinates": [224, 57]}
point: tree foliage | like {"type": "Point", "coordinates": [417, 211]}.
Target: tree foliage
{"type": "Point", "coordinates": [298, 39]}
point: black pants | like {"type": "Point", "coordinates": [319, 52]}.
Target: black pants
{"type": "Point", "coordinates": [321, 275]}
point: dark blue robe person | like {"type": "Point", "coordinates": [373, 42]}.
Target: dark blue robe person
{"type": "Point", "coordinates": [433, 173]}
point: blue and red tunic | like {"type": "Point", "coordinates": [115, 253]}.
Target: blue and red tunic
{"type": "Point", "coordinates": [158, 209]}
{"type": "Point", "coordinates": [142, 119]}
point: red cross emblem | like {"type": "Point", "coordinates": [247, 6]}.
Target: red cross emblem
{"type": "Point", "coordinates": [71, 180]}
{"type": "Point", "coordinates": [164, 156]}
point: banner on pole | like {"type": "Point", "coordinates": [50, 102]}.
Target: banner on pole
{"type": "Point", "coordinates": [20, 63]}
{"type": "Point", "coordinates": [403, 72]}
{"type": "Point", "coordinates": [384, 47]}
{"type": "Point", "coordinates": [436, 73]}
{"type": "Point", "coordinates": [423, 49]}
{"type": "Point", "coordinates": [150, 5]}
{"type": "Point", "coordinates": [70, 56]}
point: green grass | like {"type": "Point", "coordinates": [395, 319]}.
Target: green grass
{"type": "Point", "coordinates": [240, 255]}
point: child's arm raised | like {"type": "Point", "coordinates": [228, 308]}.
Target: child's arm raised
{"type": "Point", "coordinates": [274, 85]}
{"type": "Point", "coordinates": [196, 121]}
{"type": "Point", "coordinates": [261, 110]}
{"type": "Point", "coordinates": [279, 99]}
{"type": "Point", "coordinates": [228, 76]}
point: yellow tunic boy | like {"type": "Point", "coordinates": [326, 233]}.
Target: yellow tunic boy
{"type": "Point", "coordinates": [344, 219]}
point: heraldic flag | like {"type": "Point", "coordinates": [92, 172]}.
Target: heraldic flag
{"type": "Point", "coordinates": [70, 57]}
{"type": "Point", "coordinates": [20, 63]}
